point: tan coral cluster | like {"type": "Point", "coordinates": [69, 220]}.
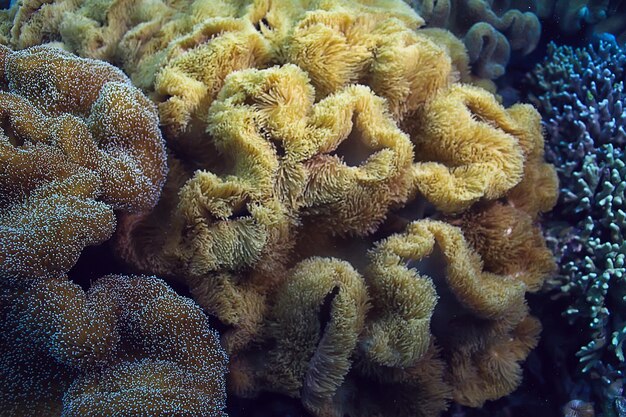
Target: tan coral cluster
{"type": "Point", "coordinates": [285, 174]}
{"type": "Point", "coordinates": [423, 322]}
{"type": "Point", "coordinates": [78, 145]}
{"type": "Point", "coordinates": [129, 346]}
{"type": "Point", "coordinates": [339, 197]}
{"type": "Point", "coordinates": [177, 50]}
{"type": "Point", "coordinates": [78, 141]}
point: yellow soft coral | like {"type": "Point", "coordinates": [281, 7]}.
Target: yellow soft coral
{"type": "Point", "coordinates": [282, 143]}
{"type": "Point", "coordinates": [285, 161]}
{"type": "Point", "coordinates": [480, 321]}
{"type": "Point", "coordinates": [467, 147]}
{"type": "Point", "coordinates": [485, 360]}
{"type": "Point", "coordinates": [94, 28]}
{"type": "Point", "coordinates": [539, 189]}
{"type": "Point", "coordinates": [339, 47]}
{"type": "Point", "coordinates": [508, 242]}
{"type": "Point", "coordinates": [315, 324]}
{"type": "Point", "coordinates": [317, 346]}
{"type": "Point", "coordinates": [480, 316]}
{"type": "Point", "coordinates": [394, 345]}
{"type": "Point", "coordinates": [486, 294]}
{"type": "Point", "coordinates": [215, 231]}
{"type": "Point", "coordinates": [239, 300]}
{"type": "Point", "coordinates": [196, 69]}
{"type": "Point", "coordinates": [212, 225]}
{"type": "Point", "coordinates": [403, 303]}
{"type": "Point", "coordinates": [278, 144]}
{"type": "Point", "coordinates": [334, 44]}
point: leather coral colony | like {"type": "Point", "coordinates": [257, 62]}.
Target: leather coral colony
{"type": "Point", "coordinates": [78, 142]}
{"type": "Point", "coordinates": [338, 197]}
{"type": "Point", "coordinates": [129, 346]}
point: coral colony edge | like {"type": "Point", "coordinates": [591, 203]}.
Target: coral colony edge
{"type": "Point", "coordinates": [313, 208]}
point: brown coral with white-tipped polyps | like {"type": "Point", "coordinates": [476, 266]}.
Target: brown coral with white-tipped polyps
{"type": "Point", "coordinates": [77, 142]}
{"type": "Point", "coordinates": [129, 345]}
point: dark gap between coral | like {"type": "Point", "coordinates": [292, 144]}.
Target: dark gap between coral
{"type": "Point", "coordinates": [278, 147]}
{"type": "Point", "coordinates": [448, 309]}
{"type": "Point", "coordinates": [241, 210]}
{"type": "Point", "coordinates": [324, 314]}
{"type": "Point", "coordinates": [95, 262]}
{"type": "Point", "coordinates": [261, 23]}
{"type": "Point", "coordinates": [7, 127]}
{"type": "Point", "coordinates": [352, 150]}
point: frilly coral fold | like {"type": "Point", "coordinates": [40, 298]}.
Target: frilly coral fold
{"type": "Point", "coordinates": [467, 147]}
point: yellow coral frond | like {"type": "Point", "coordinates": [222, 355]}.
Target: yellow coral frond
{"type": "Point", "coordinates": [468, 147]}
{"type": "Point", "coordinates": [305, 359]}
{"type": "Point", "coordinates": [486, 294]}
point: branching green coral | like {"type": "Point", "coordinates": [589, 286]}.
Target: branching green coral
{"type": "Point", "coordinates": [604, 263]}
{"type": "Point", "coordinates": [581, 96]}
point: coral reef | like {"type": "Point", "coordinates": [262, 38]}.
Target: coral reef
{"type": "Point", "coordinates": [495, 32]}
{"type": "Point", "coordinates": [78, 141]}
{"type": "Point", "coordinates": [580, 94]}
{"type": "Point", "coordinates": [333, 331]}
{"type": "Point", "coordinates": [258, 235]}
{"type": "Point", "coordinates": [340, 196]}
{"type": "Point", "coordinates": [165, 48]}
{"type": "Point", "coordinates": [129, 345]}
{"type": "Point", "coordinates": [336, 44]}
{"type": "Point", "coordinates": [281, 149]}
{"type": "Point", "coordinates": [491, 31]}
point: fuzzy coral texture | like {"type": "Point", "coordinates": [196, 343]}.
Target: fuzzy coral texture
{"type": "Point", "coordinates": [129, 346]}
{"type": "Point", "coordinates": [78, 142]}
{"type": "Point", "coordinates": [339, 196]}
{"type": "Point", "coordinates": [580, 92]}
{"type": "Point", "coordinates": [280, 175]}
